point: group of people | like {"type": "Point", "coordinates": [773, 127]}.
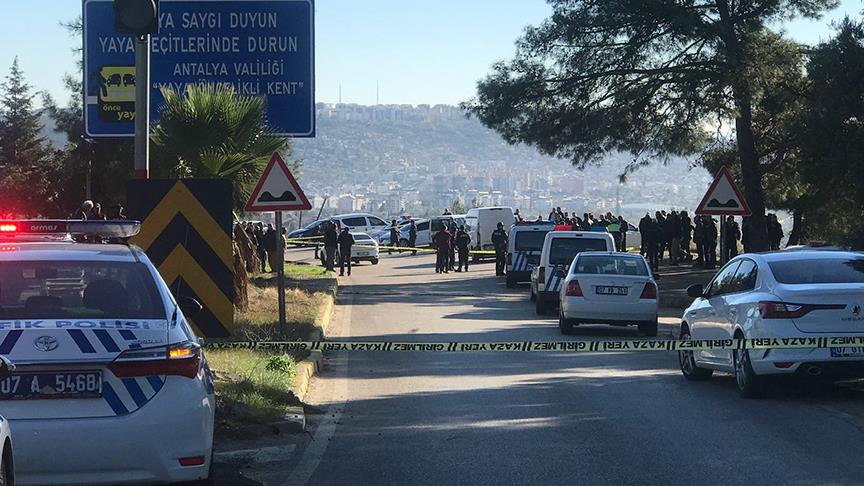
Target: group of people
{"type": "Point", "coordinates": [265, 242]}
{"type": "Point", "coordinates": [615, 225]}
{"type": "Point", "coordinates": [338, 243]}
{"type": "Point", "coordinates": [90, 210]}
{"type": "Point", "coordinates": [448, 242]}
{"type": "Point", "coordinates": [673, 232]}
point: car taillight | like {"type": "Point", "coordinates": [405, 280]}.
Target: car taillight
{"type": "Point", "coordinates": [191, 461]}
{"type": "Point", "coordinates": [541, 275]}
{"type": "Point", "coordinates": [649, 292]}
{"type": "Point", "coordinates": [782, 310]}
{"type": "Point", "coordinates": [182, 359]}
{"type": "Point", "coordinates": [573, 289]}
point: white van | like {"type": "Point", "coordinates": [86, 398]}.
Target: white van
{"type": "Point", "coordinates": [524, 247]}
{"type": "Point", "coordinates": [360, 222]}
{"type": "Point", "coordinates": [481, 222]}
{"type": "Point", "coordinates": [559, 250]}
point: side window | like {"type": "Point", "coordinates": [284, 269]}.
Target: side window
{"type": "Point", "coordinates": [373, 221]}
{"type": "Point", "coordinates": [355, 221]}
{"type": "Point", "coordinates": [745, 277]}
{"type": "Point", "coordinates": [423, 226]}
{"type": "Point", "coordinates": [723, 281]}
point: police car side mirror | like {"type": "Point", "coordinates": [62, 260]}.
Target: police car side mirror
{"type": "Point", "coordinates": [189, 306]}
{"type": "Point", "coordinates": [6, 367]}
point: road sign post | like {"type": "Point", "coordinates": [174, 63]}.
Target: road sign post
{"type": "Point", "coordinates": [278, 191]}
{"type": "Point", "coordinates": [142, 107]}
{"type": "Point", "coordinates": [723, 198]}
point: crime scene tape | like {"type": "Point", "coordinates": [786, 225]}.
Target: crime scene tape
{"type": "Point", "coordinates": [548, 346]}
{"type": "Point", "coordinates": [307, 241]}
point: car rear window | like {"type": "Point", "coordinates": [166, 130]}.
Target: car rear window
{"type": "Point", "coordinates": [611, 265]}
{"type": "Point", "coordinates": [530, 240]}
{"type": "Point", "coordinates": [76, 289]}
{"type": "Point", "coordinates": [819, 270]}
{"type": "Point", "coordinates": [563, 250]}
{"type": "Point", "coordinates": [439, 224]}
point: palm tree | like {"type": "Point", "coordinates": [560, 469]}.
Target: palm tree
{"type": "Point", "coordinates": [210, 131]}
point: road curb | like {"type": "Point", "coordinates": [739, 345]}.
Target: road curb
{"type": "Point", "coordinates": [310, 366]}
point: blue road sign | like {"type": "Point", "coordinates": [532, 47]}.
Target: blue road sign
{"type": "Point", "coordinates": [259, 47]}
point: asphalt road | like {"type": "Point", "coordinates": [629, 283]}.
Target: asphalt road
{"type": "Point", "coordinates": [511, 418]}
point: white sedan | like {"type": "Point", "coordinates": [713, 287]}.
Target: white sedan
{"type": "Point", "coordinates": [787, 294]}
{"type": "Point", "coordinates": [365, 249]}
{"type": "Point", "coordinates": [7, 465]}
{"type": "Point", "coordinates": [609, 288]}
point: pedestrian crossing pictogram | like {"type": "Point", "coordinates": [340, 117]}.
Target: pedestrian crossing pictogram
{"type": "Point", "coordinates": [186, 232]}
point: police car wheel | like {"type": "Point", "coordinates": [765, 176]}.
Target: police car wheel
{"type": "Point", "coordinates": [374, 261]}
{"type": "Point", "coordinates": [540, 306]}
{"type": "Point", "coordinates": [565, 325]}
{"type": "Point", "coordinates": [511, 282]}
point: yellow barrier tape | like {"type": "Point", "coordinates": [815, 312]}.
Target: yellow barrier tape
{"type": "Point", "coordinates": [551, 346]}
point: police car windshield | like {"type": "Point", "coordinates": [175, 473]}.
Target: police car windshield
{"type": "Point", "coordinates": [562, 251]}
{"type": "Point", "coordinates": [530, 240]}
{"type": "Point", "coordinates": [611, 265]}
{"type": "Point", "coordinates": [78, 290]}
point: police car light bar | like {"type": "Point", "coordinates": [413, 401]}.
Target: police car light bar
{"type": "Point", "coordinates": [106, 229]}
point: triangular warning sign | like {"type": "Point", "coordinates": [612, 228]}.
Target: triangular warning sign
{"type": "Point", "coordinates": [277, 190]}
{"type": "Point", "coordinates": [723, 197]}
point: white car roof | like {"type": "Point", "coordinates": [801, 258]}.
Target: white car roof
{"type": "Point", "coordinates": [783, 256]}
{"type": "Point", "coordinates": [620, 254]}
{"type": "Point", "coordinates": [11, 251]}
{"type": "Point", "coordinates": [578, 234]}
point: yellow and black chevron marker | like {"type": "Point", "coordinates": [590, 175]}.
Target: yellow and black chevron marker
{"type": "Point", "coordinates": [186, 232]}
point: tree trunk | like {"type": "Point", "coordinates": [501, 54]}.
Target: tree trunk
{"type": "Point", "coordinates": [751, 173]}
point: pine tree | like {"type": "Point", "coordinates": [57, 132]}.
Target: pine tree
{"type": "Point", "coordinates": [24, 157]}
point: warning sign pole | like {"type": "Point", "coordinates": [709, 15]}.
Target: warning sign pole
{"type": "Point", "coordinates": [280, 272]}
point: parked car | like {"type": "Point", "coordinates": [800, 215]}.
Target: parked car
{"type": "Point", "coordinates": [790, 294]}
{"type": "Point", "coordinates": [559, 250]}
{"type": "Point", "coordinates": [609, 288]}
{"type": "Point", "coordinates": [481, 222]}
{"type": "Point", "coordinates": [7, 462]}
{"type": "Point", "coordinates": [360, 222]}
{"type": "Point", "coordinates": [524, 246]}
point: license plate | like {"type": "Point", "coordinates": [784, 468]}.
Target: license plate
{"type": "Point", "coordinates": [601, 290]}
{"type": "Point", "coordinates": [70, 384]}
{"type": "Point", "coordinates": [847, 352]}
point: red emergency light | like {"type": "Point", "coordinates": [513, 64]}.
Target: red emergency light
{"type": "Point", "coordinates": [563, 227]}
{"type": "Point", "coordinates": [8, 227]}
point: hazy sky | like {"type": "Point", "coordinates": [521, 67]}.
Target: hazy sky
{"type": "Point", "coordinates": [430, 51]}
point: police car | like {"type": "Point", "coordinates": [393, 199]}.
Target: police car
{"type": "Point", "coordinates": [523, 249]}
{"type": "Point", "coordinates": [110, 384]}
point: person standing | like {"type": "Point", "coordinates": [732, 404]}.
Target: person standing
{"type": "Point", "coordinates": [463, 241]}
{"type": "Point", "coordinates": [622, 230]}
{"type": "Point", "coordinates": [442, 245]}
{"type": "Point", "coordinates": [733, 234]}
{"type": "Point", "coordinates": [412, 237]}
{"type": "Point", "coordinates": [260, 246]}
{"type": "Point", "coordinates": [345, 241]}
{"type": "Point", "coordinates": [651, 240]}
{"type": "Point", "coordinates": [270, 247]}
{"type": "Point", "coordinates": [745, 233]}
{"type": "Point", "coordinates": [710, 242]}
{"type": "Point", "coordinates": [686, 235]}
{"type": "Point", "coordinates": [775, 232]}
{"type": "Point", "coordinates": [699, 239]}
{"type": "Point", "coordinates": [451, 258]}
{"type": "Point", "coordinates": [673, 223]}
{"type": "Point", "coordinates": [660, 220]}
{"type": "Point", "coordinates": [499, 241]}
{"type": "Point", "coordinates": [644, 229]}
{"type": "Point", "coordinates": [331, 240]}
{"type": "Point", "coordinates": [394, 237]}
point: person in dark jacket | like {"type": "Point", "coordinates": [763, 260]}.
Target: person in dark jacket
{"type": "Point", "coordinates": [412, 237]}
{"type": "Point", "coordinates": [733, 234]}
{"type": "Point", "coordinates": [673, 235]}
{"type": "Point", "coordinates": [650, 240]}
{"type": "Point", "coordinates": [260, 246]}
{"type": "Point", "coordinates": [451, 259]}
{"type": "Point", "coordinates": [394, 237]}
{"type": "Point", "coordinates": [710, 242]}
{"type": "Point", "coordinates": [441, 240]}
{"type": "Point", "coordinates": [686, 235]}
{"type": "Point", "coordinates": [775, 232]}
{"type": "Point", "coordinates": [499, 241]}
{"type": "Point", "coordinates": [345, 241]}
{"type": "Point", "coordinates": [699, 240]}
{"type": "Point", "coordinates": [463, 241]}
{"type": "Point", "coordinates": [331, 239]}
{"type": "Point", "coordinates": [660, 220]}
